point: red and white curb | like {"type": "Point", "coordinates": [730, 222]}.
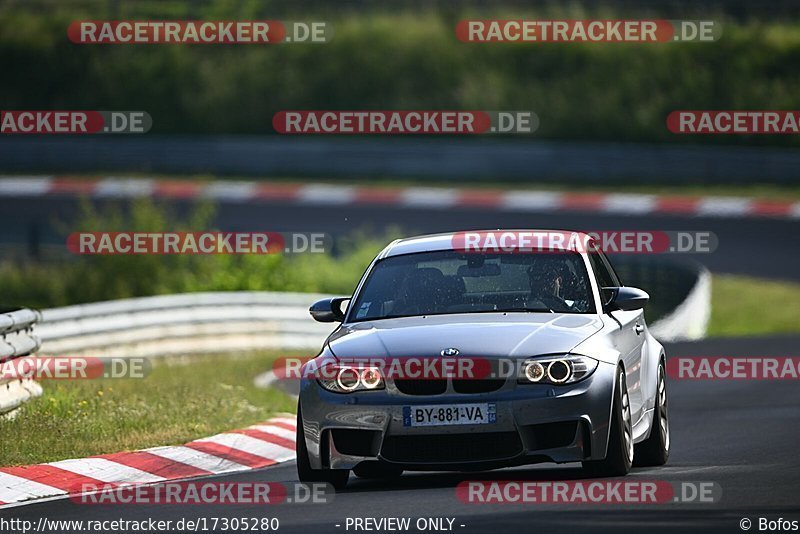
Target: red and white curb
{"type": "Point", "coordinates": [253, 447]}
{"type": "Point", "coordinates": [401, 197]}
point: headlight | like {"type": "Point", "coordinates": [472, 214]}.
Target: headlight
{"type": "Point", "coordinates": [534, 371]}
{"type": "Point", "coordinates": [556, 370]}
{"type": "Point", "coordinates": [347, 379]}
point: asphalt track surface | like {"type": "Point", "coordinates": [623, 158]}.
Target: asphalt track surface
{"type": "Point", "coordinates": [742, 435]}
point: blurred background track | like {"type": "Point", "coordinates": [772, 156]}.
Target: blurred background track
{"type": "Point", "coordinates": [764, 247]}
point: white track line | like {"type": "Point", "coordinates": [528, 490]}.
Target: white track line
{"type": "Point", "coordinates": [275, 430]}
{"type": "Point", "coordinates": [106, 470]}
{"type": "Point", "coordinates": [199, 459]}
{"type": "Point", "coordinates": [14, 488]}
{"type": "Point", "coordinates": [241, 442]}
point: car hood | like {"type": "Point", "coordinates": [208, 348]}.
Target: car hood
{"type": "Point", "coordinates": [484, 335]}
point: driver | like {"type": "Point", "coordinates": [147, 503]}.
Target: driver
{"type": "Point", "coordinates": [547, 284]}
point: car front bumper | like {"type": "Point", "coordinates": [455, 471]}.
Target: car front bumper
{"type": "Point", "coordinates": [534, 423]}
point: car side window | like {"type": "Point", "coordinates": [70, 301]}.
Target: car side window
{"type": "Point", "coordinates": [601, 272]}
{"type": "Point", "coordinates": [604, 276]}
{"type": "Point", "coordinates": [610, 269]}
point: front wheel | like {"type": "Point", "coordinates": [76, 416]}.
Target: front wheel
{"type": "Point", "coordinates": [619, 455]}
{"type": "Point", "coordinates": [655, 449]}
{"type": "Point", "coordinates": [305, 473]}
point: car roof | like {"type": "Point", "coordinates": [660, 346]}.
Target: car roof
{"type": "Point", "coordinates": [451, 240]}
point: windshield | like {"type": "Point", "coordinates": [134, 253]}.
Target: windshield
{"type": "Point", "coordinates": [442, 282]}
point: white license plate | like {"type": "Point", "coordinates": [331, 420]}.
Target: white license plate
{"type": "Point", "coordinates": [450, 414]}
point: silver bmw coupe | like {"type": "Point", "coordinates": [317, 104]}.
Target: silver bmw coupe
{"type": "Point", "coordinates": [472, 351]}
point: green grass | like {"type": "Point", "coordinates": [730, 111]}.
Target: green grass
{"type": "Point", "coordinates": [745, 306]}
{"type": "Point", "coordinates": [179, 401]}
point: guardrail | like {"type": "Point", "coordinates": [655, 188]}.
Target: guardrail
{"type": "Point", "coordinates": [184, 324]}
{"type": "Point", "coordinates": [18, 341]}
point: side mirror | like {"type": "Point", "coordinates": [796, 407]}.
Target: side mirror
{"type": "Point", "coordinates": [625, 298]}
{"type": "Point", "coordinates": [328, 310]}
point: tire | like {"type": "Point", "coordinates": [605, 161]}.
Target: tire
{"type": "Point", "coordinates": [655, 449]}
{"type": "Point", "coordinates": [377, 471]}
{"type": "Point", "coordinates": [619, 455]}
{"type": "Point", "coordinates": [305, 473]}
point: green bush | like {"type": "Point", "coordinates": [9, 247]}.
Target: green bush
{"type": "Point", "coordinates": [104, 277]}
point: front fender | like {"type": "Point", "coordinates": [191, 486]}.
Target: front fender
{"type": "Point", "coordinates": [653, 354]}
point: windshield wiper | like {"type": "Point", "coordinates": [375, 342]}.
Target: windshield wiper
{"type": "Point", "coordinates": [524, 309]}
{"type": "Point", "coordinates": [398, 316]}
